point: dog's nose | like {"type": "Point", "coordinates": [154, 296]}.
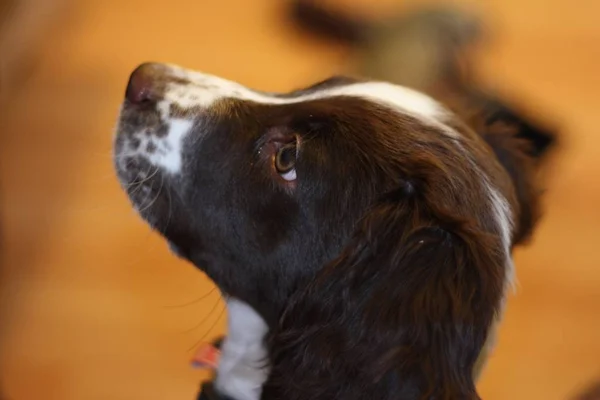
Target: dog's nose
{"type": "Point", "coordinates": [143, 84]}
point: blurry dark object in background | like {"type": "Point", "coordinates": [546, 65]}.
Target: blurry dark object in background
{"type": "Point", "coordinates": [329, 23]}
{"type": "Point", "coordinates": [5, 7]}
{"type": "Point", "coordinates": [419, 49]}
{"type": "Point", "coordinates": [430, 50]}
{"type": "Point", "coordinates": [591, 393]}
{"type": "Point", "coordinates": [24, 25]}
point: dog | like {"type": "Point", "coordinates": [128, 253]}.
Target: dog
{"type": "Point", "coordinates": [360, 232]}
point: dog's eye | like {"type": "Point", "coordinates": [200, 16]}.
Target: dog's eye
{"type": "Point", "coordinates": [285, 161]}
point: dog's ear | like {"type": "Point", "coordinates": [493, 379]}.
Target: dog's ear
{"type": "Point", "coordinates": [521, 150]}
{"type": "Point", "coordinates": [402, 313]}
{"type": "Point", "coordinates": [538, 140]}
{"type": "Point", "coordinates": [521, 143]}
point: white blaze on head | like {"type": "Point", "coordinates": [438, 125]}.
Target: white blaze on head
{"type": "Point", "coordinates": [203, 90]}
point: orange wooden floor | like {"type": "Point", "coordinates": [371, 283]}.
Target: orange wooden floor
{"type": "Point", "coordinates": [94, 306]}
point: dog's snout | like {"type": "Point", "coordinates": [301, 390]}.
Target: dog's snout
{"type": "Point", "coordinates": [143, 86]}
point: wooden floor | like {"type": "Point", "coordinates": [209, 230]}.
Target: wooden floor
{"type": "Point", "coordinates": [93, 304]}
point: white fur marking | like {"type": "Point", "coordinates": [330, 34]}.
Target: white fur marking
{"type": "Point", "coordinates": [243, 363]}
{"type": "Point", "coordinates": [163, 108]}
{"type": "Point", "coordinates": [167, 152]}
{"type": "Point", "coordinates": [206, 89]}
{"type": "Point", "coordinates": [504, 218]}
{"type": "Point", "coordinates": [169, 149]}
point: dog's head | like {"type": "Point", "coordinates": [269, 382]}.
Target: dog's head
{"type": "Point", "coordinates": [350, 214]}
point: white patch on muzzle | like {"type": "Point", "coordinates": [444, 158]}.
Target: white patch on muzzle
{"type": "Point", "coordinates": [170, 148]}
{"type": "Point", "coordinates": [167, 153]}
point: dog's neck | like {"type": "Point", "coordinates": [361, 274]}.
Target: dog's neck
{"type": "Point", "coordinates": [243, 366]}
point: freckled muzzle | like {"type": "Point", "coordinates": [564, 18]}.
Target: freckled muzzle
{"type": "Point", "coordinates": [162, 104]}
{"type": "Point", "coordinates": [146, 128]}
{"type": "Point", "coordinates": [149, 139]}
{"type": "Point", "coordinates": [166, 111]}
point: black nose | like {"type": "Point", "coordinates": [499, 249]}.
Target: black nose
{"type": "Point", "coordinates": [143, 84]}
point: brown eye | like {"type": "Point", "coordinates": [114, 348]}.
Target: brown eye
{"type": "Point", "coordinates": [285, 161]}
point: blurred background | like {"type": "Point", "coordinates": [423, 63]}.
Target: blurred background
{"type": "Point", "coordinates": [93, 304]}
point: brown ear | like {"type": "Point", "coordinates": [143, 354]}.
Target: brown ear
{"type": "Point", "coordinates": [403, 313]}
{"type": "Point", "coordinates": [516, 154]}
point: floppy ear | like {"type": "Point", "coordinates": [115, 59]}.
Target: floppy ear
{"type": "Point", "coordinates": [403, 313]}
{"type": "Point", "coordinates": [521, 153]}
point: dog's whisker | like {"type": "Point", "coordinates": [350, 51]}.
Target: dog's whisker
{"type": "Point", "coordinates": [170, 211]}
{"type": "Point", "coordinates": [139, 184]}
{"type": "Point", "coordinates": [151, 203]}
{"type": "Point", "coordinates": [144, 180]}
{"type": "Point", "coordinates": [209, 330]}
{"type": "Point", "coordinates": [199, 299]}
{"type": "Point", "coordinates": [142, 203]}
{"type": "Point", "coordinates": [206, 318]}
{"type": "Point", "coordinates": [124, 155]}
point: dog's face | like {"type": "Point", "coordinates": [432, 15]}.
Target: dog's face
{"type": "Point", "coordinates": [360, 209]}
{"type": "Point", "coordinates": [260, 190]}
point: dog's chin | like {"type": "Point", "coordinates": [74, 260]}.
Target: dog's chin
{"type": "Point", "coordinates": [147, 190]}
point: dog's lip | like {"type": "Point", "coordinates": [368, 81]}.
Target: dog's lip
{"type": "Point", "coordinates": [134, 172]}
{"type": "Point", "coordinates": [146, 198]}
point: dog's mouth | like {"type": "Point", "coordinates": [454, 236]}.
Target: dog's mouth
{"type": "Point", "coordinates": [138, 146]}
{"type": "Point", "coordinates": [150, 141]}
{"type": "Point", "coordinates": [143, 182]}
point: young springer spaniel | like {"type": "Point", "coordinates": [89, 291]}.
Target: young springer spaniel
{"type": "Point", "coordinates": [359, 231]}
